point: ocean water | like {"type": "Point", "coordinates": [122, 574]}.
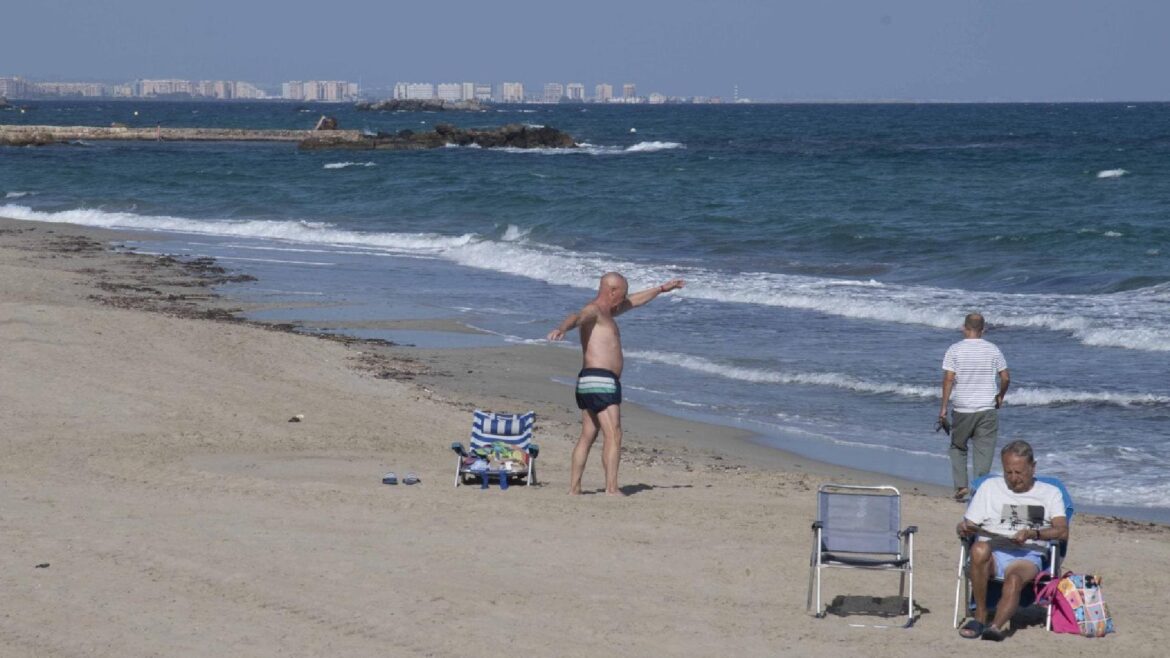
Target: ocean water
{"type": "Point", "coordinates": [830, 253]}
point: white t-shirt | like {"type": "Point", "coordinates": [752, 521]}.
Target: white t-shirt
{"type": "Point", "coordinates": [976, 364]}
{"type": "Point", "coordinates": [998, 509]}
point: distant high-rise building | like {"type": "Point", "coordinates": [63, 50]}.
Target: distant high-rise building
{"type": "Point", "coordinates": [602, 93]}
{"type": "Point", "coordinates": [14, 87]}
{"type": "Point", "coordinates": [308, 90]}
{"type": "Point", "coordinates": [424, 91]}
{"type": "Point", "coordinates": [629, 91]}
{"type": "Point", "coordinates": [450, 91]}
{"type": "Point", "coordinates": [165, 87]}
{"type": "Point", "coordinates": [467, 91]}
{"type": "Point", "coordinates": [553, 91]}
{"type": "Point", "coordinates": [575, 91]}
{"type": "Point", "coordinates": [482, 92]}
{"type": "Point", "coordinates": [87, 89]}
{"type": "Point", "coordinates": [656, 98]}
{"type": "Point", "coordinates": [512, 92]}
{"type": "Point", "coordinates": [293, 91]}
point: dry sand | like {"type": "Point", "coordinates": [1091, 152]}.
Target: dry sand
{"type": "Point", "coordinates": [149, 463]}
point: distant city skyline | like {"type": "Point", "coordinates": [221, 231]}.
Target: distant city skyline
{"type": "Point", "coordinates": [840, 50]}
{"type": "Point", "coordinates": [18, 87]}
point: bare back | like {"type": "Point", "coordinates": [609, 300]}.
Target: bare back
{"type": "Point", "coordinates": [601, 341]}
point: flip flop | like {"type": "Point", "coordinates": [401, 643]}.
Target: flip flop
{"type": "Point", "coordinates": [972, 630]}
{"type": "Point", "coordinates": [992, 633]}
{"type": "Point", "coordinates": [390, 478]}
{"type": "Point", "coordinates": [961, 494]}
{"type": "Point", "coordinates": [411, 478]}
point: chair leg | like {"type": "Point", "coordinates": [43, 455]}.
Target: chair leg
{"type": "Point", "coordinates": [811, 575]}
{"type": "Point", "coordinates": [960, 582]}
{"type": "Point", "coordinates": [909, 598]}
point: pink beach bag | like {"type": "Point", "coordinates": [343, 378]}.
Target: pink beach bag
{"type": "Point", "coordinates": [1077, 602]}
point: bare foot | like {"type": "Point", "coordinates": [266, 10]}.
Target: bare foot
{"type": "Point", "coordinates": [575, 492]}
{"type": "Point", "coordinates": [618, 493]}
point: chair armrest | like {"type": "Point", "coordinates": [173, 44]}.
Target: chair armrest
{"type": "Point", "coordinates": [817, 525]}
{"type": "Point", "coordinates": [533, 449]}
{"type": "Point", "coordinates": [909, 530]}
{"type": "Point", "coordinates": [457, 447]}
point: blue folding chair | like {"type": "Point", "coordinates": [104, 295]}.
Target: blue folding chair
{"type": "Point", "coordinates": [1056, 551]}
{"type": "Point", "coordinates": [493, 432]}
{"type": "Point", "coordinates": [859, 528]}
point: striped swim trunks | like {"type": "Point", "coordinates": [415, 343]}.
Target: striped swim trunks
{"type": "Point", "coordinates": [597, 388]}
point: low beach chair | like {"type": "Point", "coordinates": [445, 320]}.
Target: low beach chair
{"type": "Point", "coordinates": [964, 597]}
{"type": "Point", "coordinates": [500, 447]}
{"type": "Point", "coordinates": [858, 528]}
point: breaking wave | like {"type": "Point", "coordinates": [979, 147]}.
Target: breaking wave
{"type": "Point", "coordinates": [1111, 173]}
{"type": "Point", "coordinates": [1131, 319]}
{"type": "Point", "coordinates": [343, 165]}
{"type": "Point", "coordinates": [1029, 397]}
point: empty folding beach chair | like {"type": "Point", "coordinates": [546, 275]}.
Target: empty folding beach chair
{"type": "Point", "coordinates": [1056, 550]}
{"type": "Point", "coordinates": [500, 446]}
{"type": "Point", "coordinates": [858, 528]}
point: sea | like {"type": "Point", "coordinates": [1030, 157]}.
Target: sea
{"type": "Point", "coordinates": [830, 253]}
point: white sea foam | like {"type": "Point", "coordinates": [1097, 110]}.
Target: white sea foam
{"type": "Point", "coordinates": [513, 233]}
{"type": "Point", "coordinates": [343, 165]}
{"type": "Point", "coordinates": [16, 195]}
{"type": "Point", "coordinates": [1111, 173]}
{"type": "Point", "coordinates": [1133, 319]}
{"type": "Point", "coordinates": [1111, 234]}
{"type": "Point", "coordinates": [427, 244]}
{"type": "Point", "coordinates": [1030, 397]}
{"type": "Point", "coordinates": [650, 147]}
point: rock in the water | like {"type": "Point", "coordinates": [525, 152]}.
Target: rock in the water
{"type": "Point", "coordinates": [513, 135]}
{"type": "Point", "coordinates": [326, 123]}
{"type": "Point", "coordinates": [419, 105]}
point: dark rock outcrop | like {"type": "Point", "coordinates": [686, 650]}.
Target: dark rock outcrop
{"type": "Point", "coordinates": [513, 135]}
{"type": "Point", "coordinates": [3, 102]}
{"type": "Point", "coordinates": [433, 105]}
{"type": "Point", "coordinates": [326, 123]}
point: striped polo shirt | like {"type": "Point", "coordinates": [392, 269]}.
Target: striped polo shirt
{"type": "Point", "coordinates": [976, 364]}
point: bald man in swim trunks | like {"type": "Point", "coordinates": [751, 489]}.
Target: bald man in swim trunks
{"type": "Point", "coordinates": [599, 389]}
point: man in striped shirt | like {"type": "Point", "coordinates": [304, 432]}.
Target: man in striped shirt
{"type": "Point", "coordinates": [975, 371]}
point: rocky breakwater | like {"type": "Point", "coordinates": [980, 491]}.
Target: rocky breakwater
{"type": "Point", "coordinates": [419, 105]}
{"type": "Point", "coordinates": [513, 135]}
{"type": "Point", "coordinates": [44, 135]}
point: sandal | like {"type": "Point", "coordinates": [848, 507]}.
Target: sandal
{"type": "Point", "coordinates": [972, 630]}
{"type": "Point", "coordinates": [992, 633]}
{"type": "Point", "coordinates": [961, 494]}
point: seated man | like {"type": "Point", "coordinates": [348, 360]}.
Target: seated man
{"type": "Point", "coordinates": [1012, 515]}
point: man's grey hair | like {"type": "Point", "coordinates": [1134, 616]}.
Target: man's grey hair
{"type": "Point", "coordinates": [1019, 449]}
{"type": "Point", "coordinates": [974, 322]}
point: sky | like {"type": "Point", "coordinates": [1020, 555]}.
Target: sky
{"type": "Point", "coordinates": [838, 50]}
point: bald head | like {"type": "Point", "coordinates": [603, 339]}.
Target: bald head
{"type": "Point", "coordinates": [612, 290]}
{"type": "Point", "coordinates": [611, 280]}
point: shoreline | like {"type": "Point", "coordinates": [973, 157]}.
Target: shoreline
{"type": "Point", "coordinates": [159, 501]}
{"type": "Point", "coordinates": [531, 368]}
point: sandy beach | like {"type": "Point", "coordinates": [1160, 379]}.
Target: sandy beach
{"type": "Point", "coordinates": [156, 500]}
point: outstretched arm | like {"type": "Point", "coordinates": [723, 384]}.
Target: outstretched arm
{"type": "Point", "coordinates": [572, 321]}
{"type": "Point", "coordinates": [644, 296]}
